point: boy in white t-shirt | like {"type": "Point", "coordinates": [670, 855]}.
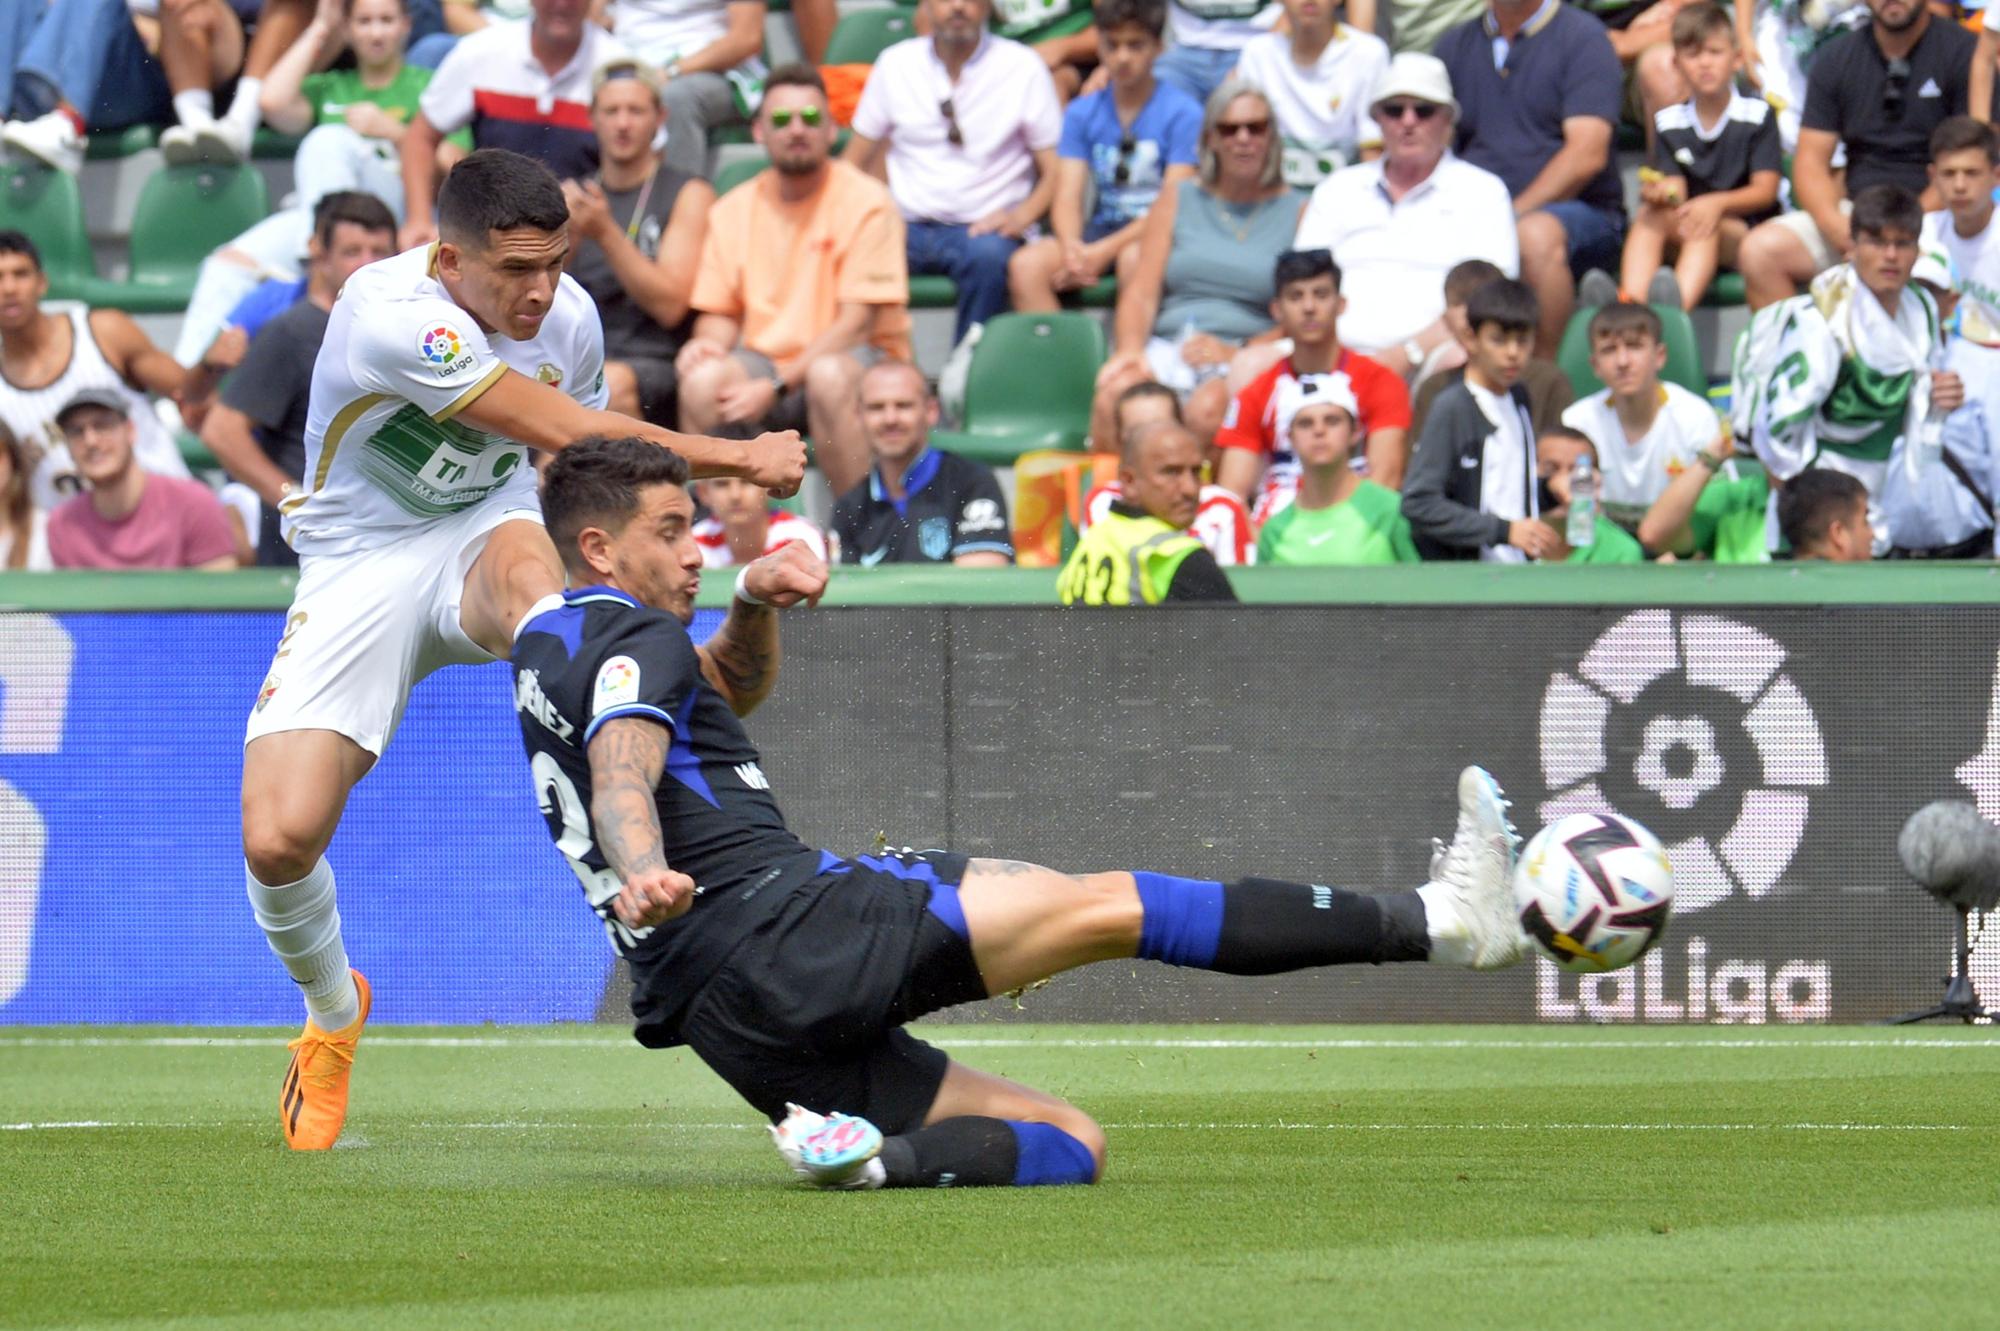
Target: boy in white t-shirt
{"type": "Point", "coordinates": [1318, 77]}
{"type": "Point", "coordinates": [1646, 432]}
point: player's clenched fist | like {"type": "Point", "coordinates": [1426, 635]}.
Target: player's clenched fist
{"type": "Point", "coordinates": [778, 461]}
{"type": "Point", "coordinates": [788, 575]}
{"type": "Point", "coordinates": [654, 896]}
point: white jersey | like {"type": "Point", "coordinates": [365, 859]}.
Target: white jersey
{"type": "Point", "coordinates": [1975, 275]}
{"type": "Point", "coordinates": [401, 359]}
{"type": "Point", "coordinates": [31, 414]}
{"type": "Point", "coordinates": [1322, 111]}
{"type": "Point", "coordinates": [1637, 472]}
{"type": "Point", "coordinates": [713, 538]}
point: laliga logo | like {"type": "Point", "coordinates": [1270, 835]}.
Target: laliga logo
{"type": "Point", "coordinates": [439, 345]}
{"type": "Point", "coordinates": [1688, 724]}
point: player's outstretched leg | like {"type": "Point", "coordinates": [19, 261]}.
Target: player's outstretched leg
{"type": "Point", "coordinates": [295, 785]}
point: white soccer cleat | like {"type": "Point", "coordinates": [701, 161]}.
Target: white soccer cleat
{"type": "Point", "coordinates": [51, 140]}
{"type": "Point", "coordinates": [830, 1151]}
{"type": "Point", "coordinates": [221, 142]}
{"type": "Point", "coordinates": [1469, 902]}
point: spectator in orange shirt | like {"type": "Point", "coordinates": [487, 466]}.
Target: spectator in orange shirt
{"type": "Point", "coordinates": [803, 284]}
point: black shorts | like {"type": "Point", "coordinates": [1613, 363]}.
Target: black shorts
{"type": "Point", "coordinates": [810, 1007]}
{"type": "Point", "coordinates": [658, 389]}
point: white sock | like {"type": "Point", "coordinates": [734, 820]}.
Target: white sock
{"type": "Point", "coordinates": [243, 108]}
{"type": "Point", "coordinates": [302, 924]}
{"type": "Point", "coordinates": [1450, 943]}
{"type": "Point", "coordinates": [194, 107]}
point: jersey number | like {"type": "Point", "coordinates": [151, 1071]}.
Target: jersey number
{"type": "Point", "coordinates": [559, 799]}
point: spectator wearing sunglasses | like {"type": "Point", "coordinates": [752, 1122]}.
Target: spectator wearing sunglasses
{"type": "Point", "coordinates": [1319, 76]}
{"type": "Point", "coordinates": [1129, 141]}
{"type": "Point", "coordinates": [1398, 224]}
{"type": "Point", "coordinates": [966, 124]}
{"type": "Point", "coordinates": [801, 286]}
{"type": "Point", "coordinates": [1881, 91]}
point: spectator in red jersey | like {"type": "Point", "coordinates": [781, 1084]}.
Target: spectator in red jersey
{"type": "Point", "coordinates": [742, 523]}
{"type": "Point", "coordinates": [1221, 520]}
{"type": "Point", "coordinates": [1256, 455]}
{"type": "Point", "coordinates": [130, 518]}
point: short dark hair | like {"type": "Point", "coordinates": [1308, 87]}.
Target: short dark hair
{"type": "Point", "coordinates": [1881, 208]}
{"type": "Point", "coordinates": [1302, 266]}
{"type": "Point", "coordinates": [1467, 277]}
{"type": "Point", "coordinates": [353, 207]}
{"type": "Point", "coordinates": [1625, 316]}
{"type": "Point", "coordinates": [17, 242]}
{"type": "Point", "coordinates": [1811, 501]}
{"type": "Point", "coordinates": [497, 190]}
{"type": "Point", "coordinates": [1147, 388]}
{"type": "Point", "coordinates": [1697, 23]}
{"type": "Point", "coordinates": [595, 482]}
{"type": "Point", "coordinates": [1571, 433]}
{"type": "Point", "coordinates": [1508, 304]}
{"type": "Point", "coordinates": [1957, 133]}
{"type": "Point", "coordinates": [795, 75]}
{"type": "Point", "coordinates": [1148, 14]}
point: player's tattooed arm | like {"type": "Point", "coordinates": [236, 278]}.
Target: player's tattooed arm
{"type": "Point", "coordinates": [741, 661]}
{"type": "Point", "coordinates": [627, 755]}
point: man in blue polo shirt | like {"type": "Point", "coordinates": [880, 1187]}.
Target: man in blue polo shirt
{"type": "Point", "coordinates": [918, 505]}
{"type": "Point", "coordinates": [1539, 90]}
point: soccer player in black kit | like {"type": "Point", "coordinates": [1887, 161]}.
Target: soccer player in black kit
{"type": "Point", "coordinates": [791, 971]}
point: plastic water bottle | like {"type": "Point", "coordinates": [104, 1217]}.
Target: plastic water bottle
{"type": "Point", "coordinates": [1583, 503]}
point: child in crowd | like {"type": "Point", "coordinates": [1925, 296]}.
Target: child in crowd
{"type": "Point", "coordinates": [1823, 514]}
{"type": "Point", "coordinates": [1472, 492]}
{"type": "Point", "coordinates": [1842, 377]}
{"type": "Point", "coordinates": [1128, 141]}
{"type": "Point", "coordinates": [1221, 522]}
{"type": "Point", "coordinates": [1256, 458]}
{"type": "Point", "coordinates": [743, 524]}
{"type": "Point", "coordinates": [1646, 432]}
{"type": "Point", "coordinates": [1717, 508]}
{"type": "Point", "coordinates": [1712, 174]}
{"type": "Point", "coordinates": [1556, 455]}
{"type": "Point", "coordinates": [1336, 517]}
{"type": "Point", "coordinates": [1319, 76]}
{"type": "Point", "coordinates": [1549, 391]}
{"type": "Point", "coordinates": [1947, 511]}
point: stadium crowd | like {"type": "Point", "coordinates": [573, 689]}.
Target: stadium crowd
{"type": "Point", "coordinates": [1377, 284]}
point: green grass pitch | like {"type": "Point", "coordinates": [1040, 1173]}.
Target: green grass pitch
{"type": "Point", "coordinates": [1260, 1176]}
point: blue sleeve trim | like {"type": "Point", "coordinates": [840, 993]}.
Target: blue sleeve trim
{"type": "Point", "coordinates": [979, 547]}
{"type": "Point", "coordinates": [628, 709]}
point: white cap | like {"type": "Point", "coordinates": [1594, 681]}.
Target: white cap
{"type": "Point", "coordinates": [1313, 390]}
{"type": "Point", "coordinates": [1414, 74]}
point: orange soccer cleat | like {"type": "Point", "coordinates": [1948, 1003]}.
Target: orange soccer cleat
{"type": "Point", "coordinates": [313, 1104]}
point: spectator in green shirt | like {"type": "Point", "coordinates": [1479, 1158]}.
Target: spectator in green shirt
{"type": "Point", "coordinates": [1714, 509]}
{"type": "Point", "coordinates": [1337, 516]}
{"type": "Point", "coordinates": [352, 119]}
{"type": "Point", "coordinates": [1556, 453]}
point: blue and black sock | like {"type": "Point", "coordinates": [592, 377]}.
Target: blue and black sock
{"type": "Point", "coordinates": [1260, 926]}
{"type": "Point", "coordinates": [977, 1152]}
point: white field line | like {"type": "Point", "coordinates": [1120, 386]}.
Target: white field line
{"type": "Point", "coordinates": [942, 1036]}
{"type": "Point", "coordinates": [536, 1125]}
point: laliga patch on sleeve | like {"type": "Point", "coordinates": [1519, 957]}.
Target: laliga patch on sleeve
{"type": "Point", "coordinates": [441, 347]}
{"type": "Point", "coordinates": [617, 684]}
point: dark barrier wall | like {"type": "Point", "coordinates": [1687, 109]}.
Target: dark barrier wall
{"type": "Point", "coordinates": [1777, 749]}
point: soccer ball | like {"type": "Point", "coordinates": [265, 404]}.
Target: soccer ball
{"type": "Point", "coordinates": [1593, 891]}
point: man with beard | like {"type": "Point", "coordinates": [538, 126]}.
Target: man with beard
{"type": "Point", "coordinates": [802, 285]}
{"type": "Point", "coordinates": [1881, 91]}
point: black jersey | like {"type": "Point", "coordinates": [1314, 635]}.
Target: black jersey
{"type": "Point", "coordinates": [598, 655]}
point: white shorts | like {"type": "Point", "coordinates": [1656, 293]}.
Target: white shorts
{"type": "Point", "coordinates": [365, 626]}
{"type": "Point", "coordinates": [1801, 224]}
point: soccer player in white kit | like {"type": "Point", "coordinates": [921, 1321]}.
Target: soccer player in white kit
{"type": "Point", "coordinates": [420, 544]}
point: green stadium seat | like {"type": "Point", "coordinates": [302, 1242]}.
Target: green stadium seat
{"type": "Point", "coordinates": [1029, 387]}
{"type": "Point", "coordinates": [1726, 289]}
{"type": "Point", "coordinates": [1099, 295]}
{"type": "Point", "coordinates": [105, 145]}
{"type": "Point", "coordinates": [46, 206]}
{"type": "Point", "coordinates": [929, 291]}
{"type": "Point", "coordinates": [183, 214]}
{"type": "Point", "coordinates": [737, 172]}
{"type": "Point", "coordinates": [864, 34]}
{"type": "Point", "coordinates": [198, 456]}
{"type": "Point", "coordinates": [271, 144]}
{"type": "Point", "coordinates": [1684, 363]}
